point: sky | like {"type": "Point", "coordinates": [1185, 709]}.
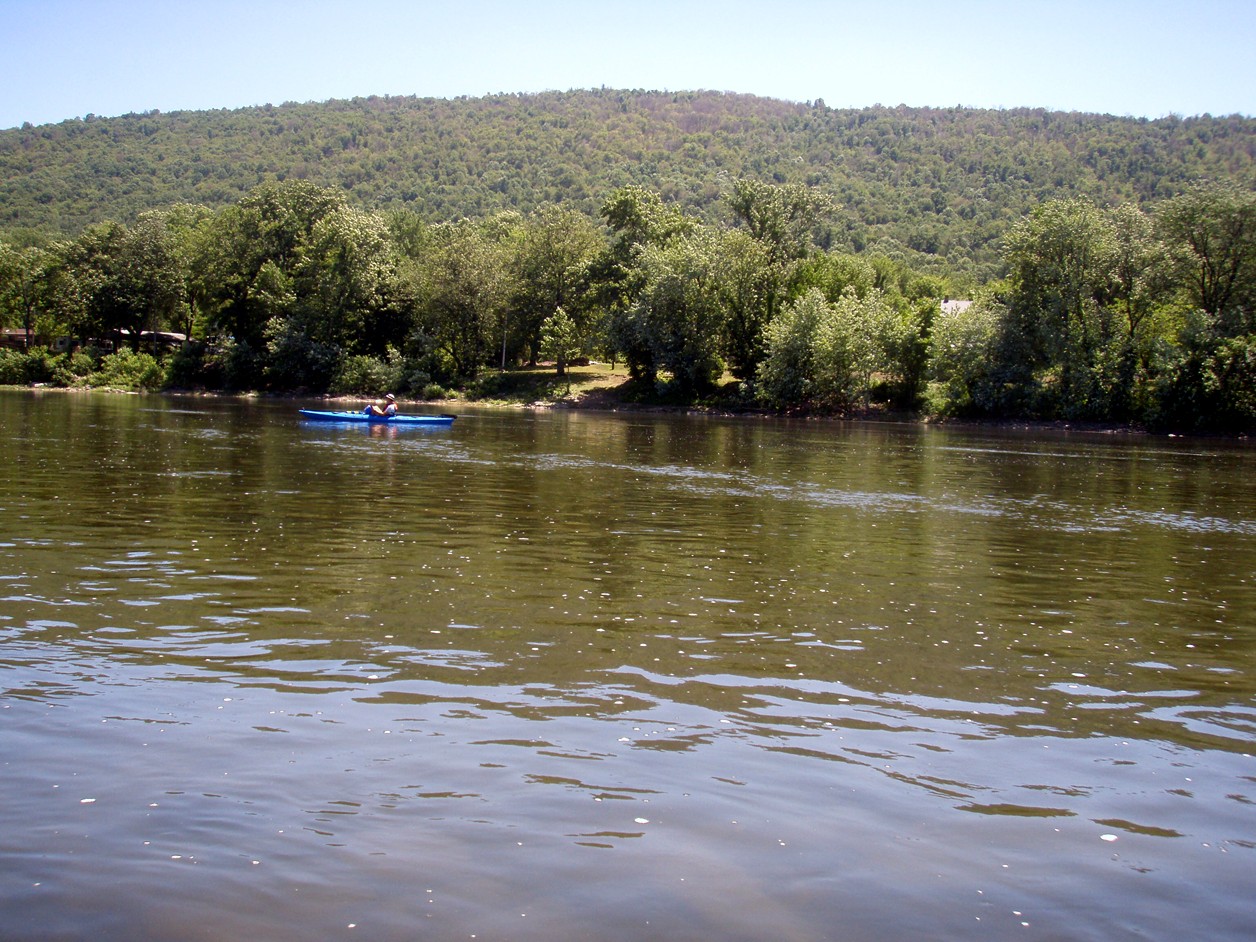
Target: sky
{"type": "Point", "coordinates": [64, 59]}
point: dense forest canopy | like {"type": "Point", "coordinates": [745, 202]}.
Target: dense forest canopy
{"type": "Point", "coordinates": [937, 187]}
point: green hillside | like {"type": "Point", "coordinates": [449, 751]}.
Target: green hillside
{"type": "Point", "coordinates": [937, 187]}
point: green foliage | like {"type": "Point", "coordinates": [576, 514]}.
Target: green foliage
{"type": "Point", "coordinates": [941, 184]}
{"type": "Point", "coordinates": [962, 345]}
{"type": "Point", "coordinates": [782, 218]}
{"type": "Point", "coordinates": [125, 281]}
{"type": "Point", "coordinates": [127, 369]}
{"type": "Point", "coordinates": [678, 310]}
{"type": "Point", "coordinates": [367, 375]}
{"type": "Point", "coordinates": [751, 289]}
{"type": "Point", "coordinates": [560, 339]}
{"type": "Point", "coordinates": [16, 367]}
{"type": "Point", "coordinates": [787, 375]}
{"type": "Point", "coordinates": [553, 264]}
{"type": "Point", "coordinates": [852, 345]}
{"type": "Point", "coordinates": [73, 369]}
{"type": "Point", "coordinates": [40, 365]}
{"type": "Point", "coordinates": [904, 340]}
{"type": "Point", "coordinates": [1210, 385]}
{"type": "Point", "coordinates": [1213, 229]}
{"type": "Point", "coordinates": [295, 360]}
{"type": "Point", "coordinates": [189, 368]}
{"type": "Point", "coordinates": [466, 287]}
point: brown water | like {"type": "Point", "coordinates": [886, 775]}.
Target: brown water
{"type": "Point", "coordinates": [577, 676]}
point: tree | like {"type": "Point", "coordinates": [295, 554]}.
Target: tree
{"type": "Point", "coordinates": [833, 273]}
{"type": "Point", "coordinates": [1061, 260]}
{"type": "Point", "coordinates": [962, 346]}
{"type": "Point", "coordinates": [187, 224]}
{"type": "Point", "coordinates": [852, 344]}
{"type": "Point", "coordinates": [27, 287]}
{"type": "Point", "coordinates": [343, 280]}
{"type": "Point", "coordinates": [787, 375]}
{"type": "Point", "coordinates": [1212, 228]}
{"type": "Point", "coordinates": [254, 246]}
{"type": "Point", "coordinates": [782, 221]}
{"type": "Point", "coordinates": [128, 280]}
{"type": "Point", "coordinates": [678, 312]}
{"type": "Point", "coordinates": [466, 288]}
{"type": "Point", "coordinates": [556, 250]}
{"type": "Point", "coordinates": [638, 219]}
{"type": "Point", "coordinates": [560, 339]}
{"type": "Point", "coordinates": [747, 286]}
{"type": "Point", "coordinates": [783, 218]}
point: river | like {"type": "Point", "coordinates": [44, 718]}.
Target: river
{"type": "Point", "coordinates": [567, 675]}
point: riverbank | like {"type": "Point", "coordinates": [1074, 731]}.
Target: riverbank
{"type": "Point", "coordinates": [599, 387]}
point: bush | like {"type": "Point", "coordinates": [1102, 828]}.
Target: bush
{"type": "Point", "coordinates": [1212, 388]}
{"type": "Point", "coordinates": [189, 367]}
{"type": "Point", "coordinates": [365, 375]}
{"type": "Point", "coordinates": [416, 380]}
{"type": "Point", "coordinates": [73, 369]}
{"type": "Point", "coordinates": [14, 368]}
{"type": "Point", "coordinates": [294, 360]}
{"type": "Point", "coordinates": [129, 370]}
{"type": "Point", "coordinates": [961, 354]}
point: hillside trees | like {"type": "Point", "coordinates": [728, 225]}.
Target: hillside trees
{"type": "Point", "coordinates": [940, 184]}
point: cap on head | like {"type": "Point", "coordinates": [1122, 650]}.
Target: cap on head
{"type": "Point", "coordinates": [390, 397]}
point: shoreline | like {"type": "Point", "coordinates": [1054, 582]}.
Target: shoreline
{"type": "Point", "coordinates": [611, 405]}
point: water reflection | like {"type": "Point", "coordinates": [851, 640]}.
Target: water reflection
{"type": "Point", "coordinates": [850, 675]}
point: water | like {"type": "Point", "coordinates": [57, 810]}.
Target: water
{"type": "Point", "coordinates": [564, 675]}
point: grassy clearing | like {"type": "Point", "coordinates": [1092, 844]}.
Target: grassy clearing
{"type": "Point", "coordinates": [542, 384]}
{"type": "Point", "coordinates": [596, 386]}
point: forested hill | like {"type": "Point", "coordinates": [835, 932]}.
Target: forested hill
{"type": "Point", "coordinates": [939, 185]}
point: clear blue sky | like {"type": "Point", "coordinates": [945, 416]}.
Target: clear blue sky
{"type": "Point", "coordinates": [63, 59]}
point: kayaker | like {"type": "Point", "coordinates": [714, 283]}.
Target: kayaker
{"type": "Point", "coordinates": [386, 406]}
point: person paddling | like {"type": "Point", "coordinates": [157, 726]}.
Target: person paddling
{"type": "Point", "coordinates": [386, 406]}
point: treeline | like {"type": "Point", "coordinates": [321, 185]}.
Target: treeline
{"type": "Point", "coordinates": [1106, 314]}
{"type": "Point", "coordinates": [935, 188]}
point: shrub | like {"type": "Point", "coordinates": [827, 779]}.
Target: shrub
{"type": "Point", "coordinates": [14, 367]}
{"type": "Point", "coordinates": [367, 375]}
{"type": "Point", "coordinates": [294, 360]}
{"type": "Point", "coordinates": [73, 369]}
{"type": "Point", "coordinates": [961, 351]}
{"type": "Point", "coordinates": [189, 368]}
{"type": "Point", "coordinates": [1211, 388]}
{"type": "Point", "coordinates": [129, 370]}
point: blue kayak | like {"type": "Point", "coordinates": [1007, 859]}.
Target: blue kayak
{"type": "Point", "coordinates": [378, 419]}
